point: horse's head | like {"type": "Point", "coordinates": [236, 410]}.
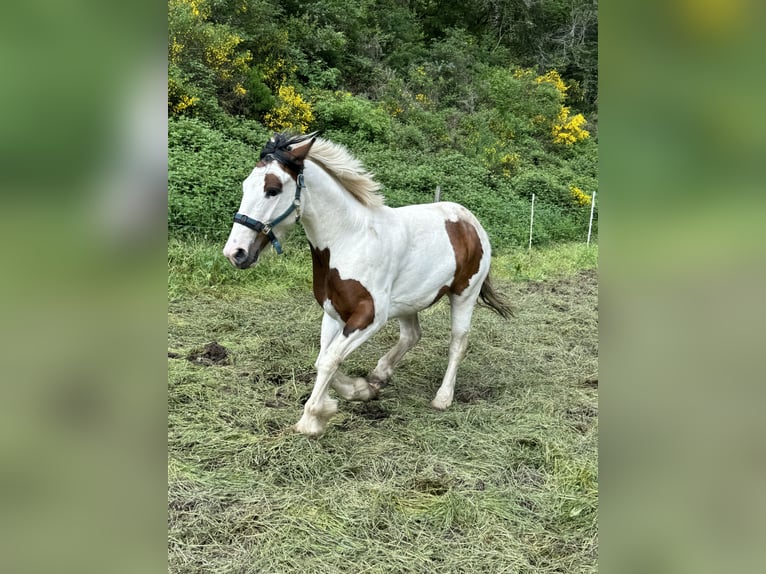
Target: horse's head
{"type": "Point", "coordinates": [270, 199]}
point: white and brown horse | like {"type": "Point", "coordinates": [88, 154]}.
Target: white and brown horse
{"type": "Point", "coordinates": [371, 262]}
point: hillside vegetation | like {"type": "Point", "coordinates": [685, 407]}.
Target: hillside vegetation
{"type": "Point", "coordinates": [491, 101]}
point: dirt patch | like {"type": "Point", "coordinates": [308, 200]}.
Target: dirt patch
{"type": "Point", "coordinates": [580, 418]}
{"type": "Point", "coordinates": [371, 411]}
{"type": "Point", "coordinates": [473, 392]}
{"type": "Point", "coordinates": [590, 383]}
{"type": "Point", "coordinates": [211, 354]}
{"type": "Point", "coordinates": [275, 379]}
{"type": "Point", "coordinates": [582, 282]}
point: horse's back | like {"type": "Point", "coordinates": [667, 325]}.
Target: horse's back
{"type": "Point", "coordinates": [426, 219]}
{"type": "Point", "coordinates": [445, 248]}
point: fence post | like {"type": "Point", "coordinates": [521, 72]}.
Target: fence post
{"type": "Point", "coordinates": [438, 194]}
{"type": "Point", "coordinates": [590, 223]}
{"type": "Point", "coordinates": [531, 221]}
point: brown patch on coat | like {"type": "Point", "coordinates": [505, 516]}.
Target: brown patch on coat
{"type": "Point", "coordinates": [468, 253]}
{"type": "Point", "coordinates": [271, 181]}
{"type": "Point", "coordinates": [443, 291]}
{"type": "Point", "coordinates": [349, 297]}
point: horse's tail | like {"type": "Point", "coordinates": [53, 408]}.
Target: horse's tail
{"type": "Point", "coordinates": [494, 300]}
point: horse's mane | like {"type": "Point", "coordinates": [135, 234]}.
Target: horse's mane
{"type": "Point", "coordinates": [335, 160]}
{"type": "Point", "coordinates": [349, 171]}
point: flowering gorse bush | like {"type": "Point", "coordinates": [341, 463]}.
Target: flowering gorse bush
{"type": "Point", "coordinates": [554, 79]}
{"type": "Point", "coordinates": [568, 130]}
{"type": "Point", "coordinates": [292, 112]}
{"type": "Point", "coordinates": [225, 65]}
{"type": "Point", "coordinates": [565, 129]}
{"type": "Point", "coordinates": [276, 71]}
{"type": "Point", "coordinates": [580, 197]}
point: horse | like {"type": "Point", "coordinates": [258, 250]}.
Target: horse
{"type": "Point", "coordinates": [371, 262]}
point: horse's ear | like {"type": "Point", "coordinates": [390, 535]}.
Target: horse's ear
{"type": "Point", "coordinates": [299, 151]}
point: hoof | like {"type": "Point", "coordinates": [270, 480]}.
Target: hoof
{"type": "Point", "coordinates": [376, 384]}
{"type": "Point", "coordinates": [440, 404]}
{"type": "Point", "coordinates": [365, 391]}
{"type": "Point", "coordinates": [309, 430]}
{"type": "Point", "coordinates": [312, 428]}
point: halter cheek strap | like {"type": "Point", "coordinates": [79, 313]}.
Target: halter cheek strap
{"type": "Point", "coordinates": [267, 228]}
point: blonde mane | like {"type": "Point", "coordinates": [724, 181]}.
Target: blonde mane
{"type": "Point", "coordinates": [349, 171]}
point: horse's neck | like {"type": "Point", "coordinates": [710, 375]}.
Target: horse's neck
{"type": "Point", "coordinates": [330, 213]}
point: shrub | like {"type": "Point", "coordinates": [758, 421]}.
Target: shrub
{"type": "Point", "coordinates": [544, 184]}
{"type": "Point", "coordinates": [568, 130]}
{"type": "Point", "coordinates": [292, 112]}
{"type": "Point", "coordinates": [205, 174]}
{"type": "Point", "coordinates": [343, 112]}
{"type": "Point", "coordinates": [260, 98]}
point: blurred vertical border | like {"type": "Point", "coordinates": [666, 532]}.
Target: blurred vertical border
{"type": "Point", "coordinates": [83, 171]}
{"type": "Point", "coordinates": [683, 144]}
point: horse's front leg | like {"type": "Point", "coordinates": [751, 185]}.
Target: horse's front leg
{"type": "Point", "coordinates": [335, 347]}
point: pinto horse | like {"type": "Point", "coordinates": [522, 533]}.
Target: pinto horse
{"type": "Point", "coordinates": [371, 262]}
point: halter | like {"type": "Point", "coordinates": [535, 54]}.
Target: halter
{"type": "Point", "coordinates": [267, 228]}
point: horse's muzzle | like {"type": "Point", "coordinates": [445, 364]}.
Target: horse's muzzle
{"type": "Point", "coordinates": [239, 257]}
{"type": "Point", "coordinates": [247, 255]}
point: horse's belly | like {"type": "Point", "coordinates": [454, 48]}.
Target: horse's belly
{"type": "Point", "coordinates": [421, 288]}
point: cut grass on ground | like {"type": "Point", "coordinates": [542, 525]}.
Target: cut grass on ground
{"type": "Point", "coordinates": [503, 481]}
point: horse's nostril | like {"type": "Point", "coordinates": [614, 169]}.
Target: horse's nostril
{"type": "Point", "coordinates": [240, 255]}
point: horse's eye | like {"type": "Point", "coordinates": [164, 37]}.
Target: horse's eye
{"type": "Point", "coordinates": [272, 191]}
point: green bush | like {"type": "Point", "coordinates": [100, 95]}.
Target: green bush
{"type": "Point", "coordinates": [545, 184]}
{"type": "Point", "coordinates": [259, 95]}
{"type": "Point", "coordinates": [340, 111]}
{"type": "Point", "coordinates": [205, 174]}
{"type": "Point", "coordinates": [207, 167]}
{"type": "Point", "coordinates": [409, 179]}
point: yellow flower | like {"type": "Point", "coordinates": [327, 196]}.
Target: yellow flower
{"type": "Point", "coordinates": [568, 130]}
{"type": "Point", "coordinates": [198, 8]}
{"type": "Point", "coordinates": [524, 74]}
{"type": "Point", "coordinates": [554, 79]}
{"type": "Point", "coordinates": [292, 112]}
{"type": "Point", "coordinates": [579, 195]}
{"type": "Point", "coordinates": [276, 71]}
{"type": "Point", "coordinates": [184, 102]}
{"type": "Point", "coordinates": [509, 163]}
{"type": "Point", "coordinates": [175, 50]}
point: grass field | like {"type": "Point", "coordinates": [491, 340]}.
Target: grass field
{"type": "Point", "coordinates": [506, 480]}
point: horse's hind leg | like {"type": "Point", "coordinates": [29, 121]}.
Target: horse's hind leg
{"type": "Point", "coordinates": [353, 388]}
{"type": "Point", "coordinates": [462, 310]}
{"type": "Point", "coordinates": [409, 335]}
